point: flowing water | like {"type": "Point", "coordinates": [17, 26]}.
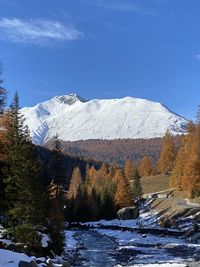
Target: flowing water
{"type": "Point", "coordinates": [95, 251]}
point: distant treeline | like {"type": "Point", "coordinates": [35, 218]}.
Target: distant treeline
{"type": "Point", "coordinates": [115, 151]}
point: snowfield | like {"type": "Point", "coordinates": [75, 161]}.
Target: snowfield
{"type": "Point", "coordinates": [159, 265]}
{"type": "Point", "coordinates": [11, 259]}
{"type": "Point", "coordinates": [72, 118]}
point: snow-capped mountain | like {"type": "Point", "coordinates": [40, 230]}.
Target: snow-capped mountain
{"type": "Point", "coordinates": [74, 118]}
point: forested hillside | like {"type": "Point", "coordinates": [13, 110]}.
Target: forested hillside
{"type": "Point", "coordinates": [115, 151]}
{"type": "Point", "coordinates": [69, 163]}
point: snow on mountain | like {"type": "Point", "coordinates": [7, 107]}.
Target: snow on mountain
{"type": "Point", "coordinates": [74, 118]}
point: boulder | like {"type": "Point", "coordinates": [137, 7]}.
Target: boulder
{"type": "Point", "coordinates": [195, 238]}
{"type": "Point", "coordinates": [65, 264]}
{"type": "Point", "coordinates": [128, 213]}
{"type": "Point", "coordinates": [27, 264]}
{"type": "Point", "coordinates": [50, 263]}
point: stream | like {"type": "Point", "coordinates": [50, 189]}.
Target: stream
{"type": "Point", "coordinates": [95, 250]}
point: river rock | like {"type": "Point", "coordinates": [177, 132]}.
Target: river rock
{"type": "Point", "coordinates": [63, 264]}
{"type": "Point", "coordinates": [195, 238]}
{"type": "Point", "coordinates": [27, 264]}
{"type": "Point", "coordinates": [128, 213]}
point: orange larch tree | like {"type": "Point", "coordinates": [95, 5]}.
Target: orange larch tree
{"type": "Point", "coordinates": [191, 175]}
{"type": "Point", "coordinates": [123, 196]}
{"type": "Point", "coordinates": [178, 178]}
{"type": "Point", "coordinates": [145, 166]}
{"type": "Point", "coordinates": [168, 154]}
{"type": "Point", "coordinates": [129, 169]}
{"type": "Point", "coordinates": [75, 183]}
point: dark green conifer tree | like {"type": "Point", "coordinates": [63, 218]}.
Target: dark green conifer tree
{"type": "Point", "coordinates": [2, 145]}
{"type": "Point", "coordinates": [58, 171]}
{"type": "Point", "coordinates": [2, 93]}
{"type": "Point", "coordinates": [136, 185]}
{"type": "Point", "coordinates": [23, 188]}
{"type": "Point", "coordinates": [57, 198]}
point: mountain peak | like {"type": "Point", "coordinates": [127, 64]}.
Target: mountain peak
{"type": "Point", "coordinates": [70, 99]}
{"type": "Point", "coordinates": [109, 119]}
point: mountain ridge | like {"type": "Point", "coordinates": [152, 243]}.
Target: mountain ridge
{"type": "Point", "coordinates": [73, 118]}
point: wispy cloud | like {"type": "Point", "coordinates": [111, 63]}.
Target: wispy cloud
{"type": "Point", "coordinates": [36, 31]}
{"type": "Point", "coordinates": [125, 6]}
{"type": "Point", "coordinates": [197, 56]}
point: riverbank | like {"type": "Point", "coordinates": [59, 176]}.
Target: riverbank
{"type": "Point", "coordinates": [141, 242]}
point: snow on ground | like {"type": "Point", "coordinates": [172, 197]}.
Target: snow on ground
{"type": "Point", "coordinates": [125, 238]}
{"type": "Point", "coordinates": [45, 240]}
{"type": "Point", "coordinates": [149, 250]}
{"type": "Point", "coordinates": [2, 231]}
{"type": "Point", "coordinates": [146, 219]}
{"type": "Point", "coordinates": [6, 241]}
{"type": "Point", "coordinates": [159, 265]}
{"type": "Point", "coordinates": [11, 259]}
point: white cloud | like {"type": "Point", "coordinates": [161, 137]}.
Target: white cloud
{"type": "Point", "coordinates": [36, 31]}
{"type": "Point", "coordinates": [198, 56]}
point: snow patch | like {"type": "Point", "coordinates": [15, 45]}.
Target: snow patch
{"type": "Point", "coordinates": [11, 259]}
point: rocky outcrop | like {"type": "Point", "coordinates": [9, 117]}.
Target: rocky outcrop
{"type": "Point", "coordinates": [128, 213]}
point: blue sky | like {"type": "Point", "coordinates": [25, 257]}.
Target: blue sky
{"type": "Point", "coordinates": [102, 49]}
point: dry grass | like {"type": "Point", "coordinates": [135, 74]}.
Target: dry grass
{"type": "Point", "coordinates": [155, 183]}
{"type": "Point", "coordinates": [172, 207]}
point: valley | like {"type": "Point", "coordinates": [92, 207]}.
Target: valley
{"type": "Point", "coordinates": [99, 133]}
{"type": "Point", "coordinates": [141, 242]}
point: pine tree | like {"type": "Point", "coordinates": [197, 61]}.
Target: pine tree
{"type": "Point", "coordinates": [168, 154]}
{"type": "Point", "coordinates": [57, 197]}
{"type": "Point", "coordinates": [56, 219]}
{"type": "Point", "coordinates": [58, 173]}
{"type": "Point", "coordinates": [24, 192]}
{"type": "Point", "coordinates": [107, 195]}
{"type": "Point", "coordinates": [56, 223]}
{"type": "Point", "coordinates": [123, 196]}
{"type": "Point", "coordinates": [2, 142]}
{"type": "Point", "coordinates": [3, 129]}
{"type": "Point", "coordinates": [82, 211]}
{"type": "Point", "coordinates": [136, 185]}
{"type": "Point", "coordinates": [3, 93]}
{"type": "Point", "coordinates": [145, 166]}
